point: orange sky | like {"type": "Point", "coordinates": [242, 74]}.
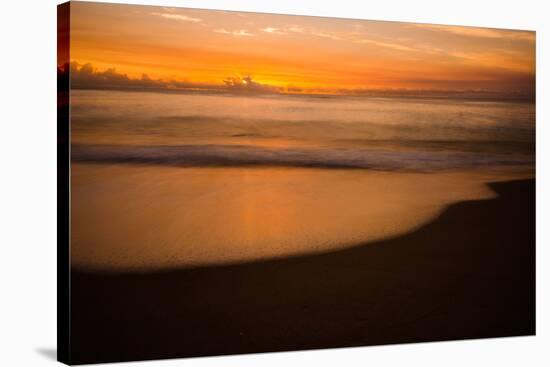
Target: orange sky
{"type": "Point", "coordinates": [302, 53]}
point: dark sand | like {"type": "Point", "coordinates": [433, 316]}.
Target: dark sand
{"type": "Point", "coordinates": [470, 273]}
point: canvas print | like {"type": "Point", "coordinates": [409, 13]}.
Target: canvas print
{"type": "Point", "coordinates": [234, 182]}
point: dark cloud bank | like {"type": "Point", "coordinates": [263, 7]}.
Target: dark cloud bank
{"type": "Point", "coordinates": [85, 76]}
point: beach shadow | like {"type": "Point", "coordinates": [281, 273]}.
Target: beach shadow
{"type": "Point", "coordinates": [470, 273]}
{"type": "Point", "coordinates": [49, 353]}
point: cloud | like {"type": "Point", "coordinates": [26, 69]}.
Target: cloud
{"type": "Point", "coordinates": [246, 84]}
{"type": "Point", "coordinates": [326, 35]}
{"type": "Point", "coordinates": [236, 33]}
{"type": "Point", "coordinates": [272, 30]}
{"type": "Point", "coordinates": [499, 84]}
{"type": "Point", "coordinates": [178, 17]}
{"type": "Point", "coordinates": [296, 29]}
{"type": "Point", "coordinates": [394, 46]}
{"type": "Point", "coordinates": [85, 76]}
{"type": "Point", "coordinates": [480, 32]}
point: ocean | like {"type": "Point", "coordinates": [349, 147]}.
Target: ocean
{"type": "Point", "coordinates": [300, 131]}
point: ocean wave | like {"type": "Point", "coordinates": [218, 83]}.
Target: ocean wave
{"type": "Point", "coordinates": [243, 155]}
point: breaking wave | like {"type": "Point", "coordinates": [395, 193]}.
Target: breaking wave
{"type": "Point", "coordinates": [242, 155]}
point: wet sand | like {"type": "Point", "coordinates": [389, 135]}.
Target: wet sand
{"type": "Point", "coordinates": [468, 273]}
{"type": "Point", "coordinates": [147, 217]}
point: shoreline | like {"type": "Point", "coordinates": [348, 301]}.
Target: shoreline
{"type": "Point", "coordinates": [144, 218]}
{"type": "Point", "coordinates": [468, 273]}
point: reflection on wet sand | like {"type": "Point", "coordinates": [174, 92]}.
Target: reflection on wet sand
{"type": "Point", "coordinates": [149, 217]}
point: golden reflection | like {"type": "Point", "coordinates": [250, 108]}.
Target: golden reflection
{"type": "Point", "coordinates": [149, 217]}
